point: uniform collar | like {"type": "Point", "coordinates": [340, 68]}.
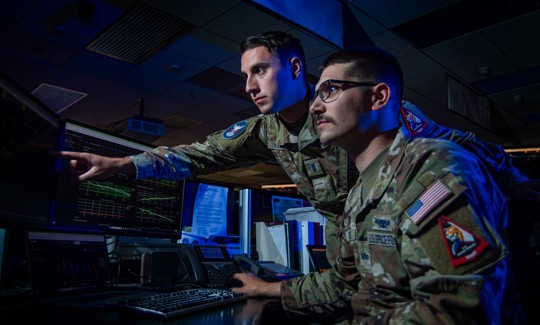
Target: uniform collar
{"type": "Point", "coordinates": [390, 163]}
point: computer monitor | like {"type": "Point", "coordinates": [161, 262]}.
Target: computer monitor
{"type": "Point", "coordinates": [119, 204]}
{"type": "Point", "coordinates": [28, 131]}
{"type": "Point", "coordinates": [210, 214]}
{"type": "Point", "coordinates": [280, 204]}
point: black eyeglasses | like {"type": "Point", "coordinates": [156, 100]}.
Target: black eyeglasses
{"type": "Point", "coordinates": [328, 91]}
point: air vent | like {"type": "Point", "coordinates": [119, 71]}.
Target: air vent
{"type": "Point", "coordinates": [140, 33]}
{"type": "Point", "coordinates": [462, 18]}
{"type": "Point", "coordinates": [57, 98]}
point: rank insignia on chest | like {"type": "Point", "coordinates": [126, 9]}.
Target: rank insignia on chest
{"type": "Point", "coordinates": [313, 167]}
{"type": "Point", "coordinates": [430, 199]}
{"type": "Point", "coordinates": [235, 130]}
{"type": "Point", "coordinates": [462, 245]}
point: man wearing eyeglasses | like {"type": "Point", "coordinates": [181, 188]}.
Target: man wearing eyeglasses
{"type": "Point", "coordinates": [420, 240]}
{"type": "Point", "coordinates": [273, 65]}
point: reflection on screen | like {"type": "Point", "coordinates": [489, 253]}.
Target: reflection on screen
{"type": "Point", "coordinates": [117, 204]}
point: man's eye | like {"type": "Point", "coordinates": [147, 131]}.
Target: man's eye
{"type": "Point", "coordinates": [260, 70]}
{"type": "Point", "coordinates": [332, 89]}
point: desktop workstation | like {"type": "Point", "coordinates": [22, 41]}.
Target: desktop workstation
{"type": "Point", "coordinates": [63, 241]}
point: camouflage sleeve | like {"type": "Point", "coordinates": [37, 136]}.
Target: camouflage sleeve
{"type": "Point", "coordinates": [237, 146]}
{"type": "Point", "coordinates": [498, 162]}
{"type": "Point", "coordinates": [453, 252]}
{"type": "Point", "coordinates": [316, 294]}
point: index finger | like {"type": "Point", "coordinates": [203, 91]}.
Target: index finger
{"type": "Point", "coordinates": [66, 154]}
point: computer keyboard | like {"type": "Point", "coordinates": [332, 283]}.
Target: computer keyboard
{"type": "Point", "coordinates": [173, 304]}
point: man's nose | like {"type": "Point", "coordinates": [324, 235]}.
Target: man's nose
{"type": "Point", "coordinates": [251, 86]}
{"type": "Point", "coordinates": [316, 105]}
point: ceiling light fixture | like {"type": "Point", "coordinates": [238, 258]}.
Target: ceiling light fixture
{"type": "Point", "coordinates": [485, 72]}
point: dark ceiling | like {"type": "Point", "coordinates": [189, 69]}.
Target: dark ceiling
{"type": "Point", "coordinates": [472, 65]}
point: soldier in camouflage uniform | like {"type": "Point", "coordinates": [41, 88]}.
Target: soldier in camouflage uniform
{"type": "Point", "coordinates": [273, 65]}
{"type": "Point", "coordinates": [421, 225]}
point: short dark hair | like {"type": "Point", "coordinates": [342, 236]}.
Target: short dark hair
{"type": "Point", "coordinates": [281, 44]}
{"type": "Point", "coordinates": [369, 64]}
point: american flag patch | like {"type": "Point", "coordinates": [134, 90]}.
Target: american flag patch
{"type": "Point", "coordinates": [427, 201]}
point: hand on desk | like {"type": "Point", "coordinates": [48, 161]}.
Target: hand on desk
{"type": "Point", "coordinates": [252, 286]}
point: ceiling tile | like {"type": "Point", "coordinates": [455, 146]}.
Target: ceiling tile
{"type": "Point", "coordinates": [38, 48]}
{"type": "Point", "coordinates": [97, 65]}
{"type": "Point", "coordinates": [417, 64]}
{"type": "Point", "coordinates": [391, 13]}
{"type": "Point", "coordinates": [161, 62]}
{"type": "Point", "coordinates": [217, 79]}
{"type": "Point", "coordinates": [252, 22]}
{"type": "Point", "coordinates": [228, 104]}
{"type": "Point", "coordinates": [461, 50]}
{"type": "Point", "coordinates": [200, 50]}
{"type": "Point", "coordinates": [190, 93]}
{"type": "Point", "coordinates": [147, 81]}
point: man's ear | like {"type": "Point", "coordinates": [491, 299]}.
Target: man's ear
{"type": "Point", "coordinates": [381, 96]}
{"type": "Point", "coordinates": [296, 67]}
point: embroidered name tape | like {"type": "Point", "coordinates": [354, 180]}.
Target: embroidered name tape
{"type": "Point", "coordinates": [435, 194]}
{"type": "Point", "coordinates": [235, 130]}
{"type": "Point", "coordinates": [374, 238]}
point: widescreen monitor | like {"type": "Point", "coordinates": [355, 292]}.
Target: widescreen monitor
{"type": "Point", "coordinates": [28, 133]}
{"type": "Point", "coordinates": [119, 204]}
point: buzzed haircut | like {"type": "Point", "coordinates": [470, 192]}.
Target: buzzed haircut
{"type": "Point", "coordinates": [281, 44]}
{"type": "Point", "coordinates": [370, 64]}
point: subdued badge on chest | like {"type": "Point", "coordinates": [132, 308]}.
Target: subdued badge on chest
{"type": "Point", "coordinates": [364, 256]}
{"type": "Point", "coordinates": [314, 168]}
{"type": "Point", "coordinates": [383, 223]}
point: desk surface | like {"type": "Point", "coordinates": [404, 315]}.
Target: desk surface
{"type": "Point", "coordinates": [249, 311]}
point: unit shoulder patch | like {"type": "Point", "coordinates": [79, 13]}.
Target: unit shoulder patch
{"type": "Point", "coordinates": [414, 124]}
{"type": "Point", "coordinates": [462, 245]}
{"type": "Point", "coordinates": [235, 130]}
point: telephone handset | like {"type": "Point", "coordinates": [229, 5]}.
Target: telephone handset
{"type": "Point", "coordinates": [246, 264]}
{"type": "Point", "coordinates": [208, 265]}
{"type": "Point", "coordinates": [266, 270]}
{"type": "Point", "coordinates": [193, 265]}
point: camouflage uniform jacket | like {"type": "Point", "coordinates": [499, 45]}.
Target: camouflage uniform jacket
{"type": "Point", "coordinates": [425, 244]}
{"type": "Point", "coordinates": [320, 172]}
